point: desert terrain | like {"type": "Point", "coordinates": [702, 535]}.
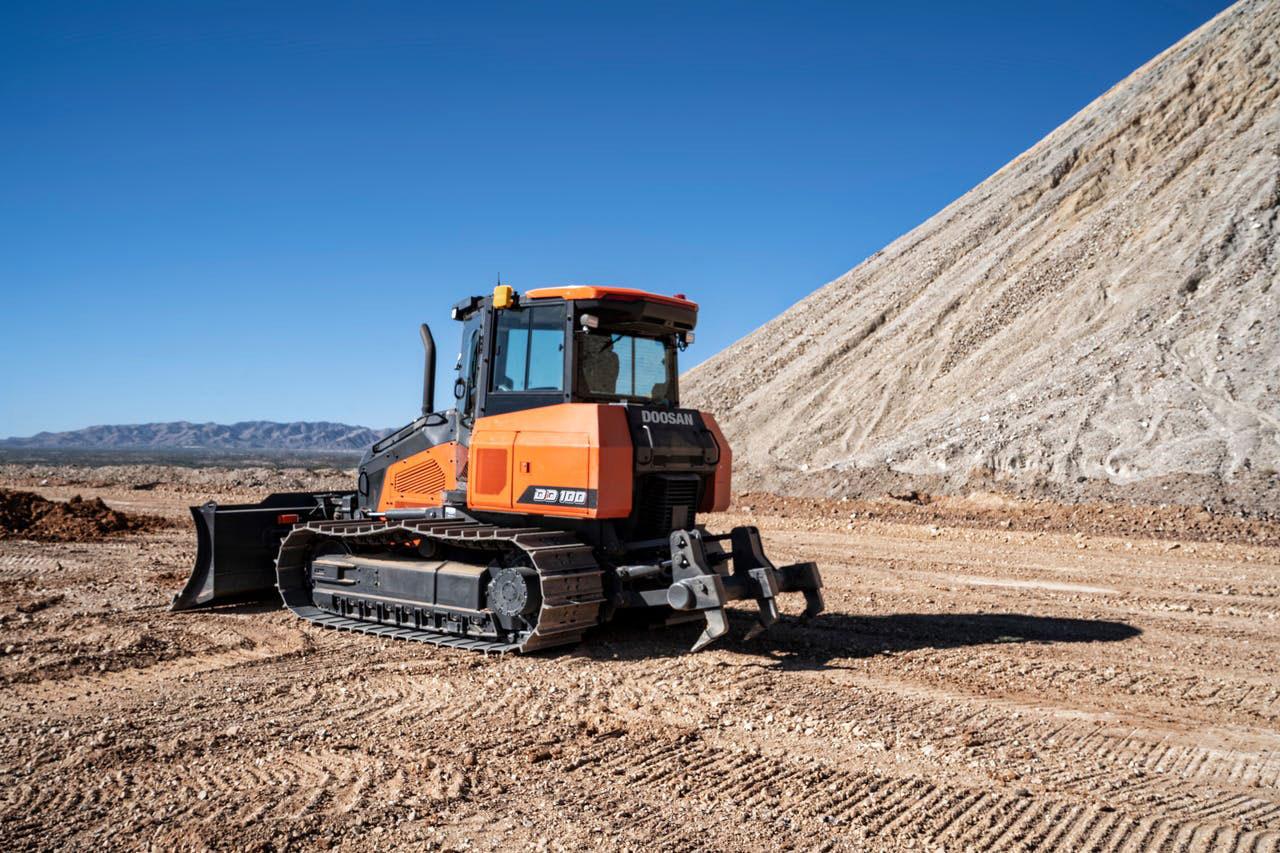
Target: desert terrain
{"type": "Point", "coordinates": [991, 673]}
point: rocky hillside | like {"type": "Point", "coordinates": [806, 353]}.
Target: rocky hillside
{"type": "Point", "coordinates": [247, 435]}
{"type": "Point", "coordinates": [1100, 315]}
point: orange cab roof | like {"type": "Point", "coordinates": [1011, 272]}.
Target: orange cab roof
{"type": "Point", "coordinates": [592, 291]}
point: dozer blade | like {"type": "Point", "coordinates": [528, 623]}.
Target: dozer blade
{"type": "Point", "coordinates": [236, 546]}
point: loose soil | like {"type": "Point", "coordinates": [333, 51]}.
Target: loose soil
{"type": "Point", "coordinates": [25, 515]}
{"type": "Point", "coordinates": [1099, 682]}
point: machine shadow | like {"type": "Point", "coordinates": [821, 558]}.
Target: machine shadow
{"type": "Point", "coordinates": [795, 644]}
{"type": "Point", "coordinates": [251, 606]}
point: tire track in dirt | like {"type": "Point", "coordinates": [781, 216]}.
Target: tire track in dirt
{"type": "Point", "coordinates": [1045, 670]}
{"type": "Point", "coordinates": [886, 808]}
{"type": "Point", "coordinates": [207, 791]}
{"type": "Point", "coordinates": [14, 566]}
{"type": "Point", "coordinates": [234, 644]}
{"type": "Point", "coordinates": [1145, 769]}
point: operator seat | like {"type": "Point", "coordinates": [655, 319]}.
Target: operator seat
{"type": "Point", "coordinates": [599, 366]}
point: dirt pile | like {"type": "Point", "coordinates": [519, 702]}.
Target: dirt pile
{"type": "Point", "coordinates": [24, 515]}
{"type": "Point", "coordinates": [1102, 310]}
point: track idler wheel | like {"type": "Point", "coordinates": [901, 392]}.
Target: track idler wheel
{"type": "Point", "coordinates": [514, 596]}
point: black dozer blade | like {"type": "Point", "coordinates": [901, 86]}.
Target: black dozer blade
{"type": "Point", "coordinates": [236, 546]}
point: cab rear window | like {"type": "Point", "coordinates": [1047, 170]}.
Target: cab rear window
{"type": "Point", "coordinates": [624, 367]}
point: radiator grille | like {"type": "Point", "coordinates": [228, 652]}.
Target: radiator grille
{"type": "Point", "coordinates": [667, 503]}
{"type": "Point", "coordinates": [425, 478]}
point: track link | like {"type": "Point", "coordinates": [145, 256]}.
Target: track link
{"type": "Point", "coordinates": [571, 579]}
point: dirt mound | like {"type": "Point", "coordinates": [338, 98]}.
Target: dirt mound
{"type": "Point", "coordinates": [24, 515]}
{"type": "Point", "coordinates": [1102, 310]}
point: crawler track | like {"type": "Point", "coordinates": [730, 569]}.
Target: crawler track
{"type": "Point", "coordinates": [572, 592]}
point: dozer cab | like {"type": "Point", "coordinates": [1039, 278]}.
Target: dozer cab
{"type": "Point", "coordinates": [563, 486]}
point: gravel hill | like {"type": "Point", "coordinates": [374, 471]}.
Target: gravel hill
{"type": "Point", "coordinates": [1098, 317]}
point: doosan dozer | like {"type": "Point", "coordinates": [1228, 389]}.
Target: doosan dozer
{"type": "Point", "coordinates": [563, 486]}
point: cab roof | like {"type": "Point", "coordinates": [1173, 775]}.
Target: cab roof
{"type": "Point", "coordinates": [619, 294]}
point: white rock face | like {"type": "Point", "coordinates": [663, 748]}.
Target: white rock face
{"type": "Point", "coordinates": [1104, 306]}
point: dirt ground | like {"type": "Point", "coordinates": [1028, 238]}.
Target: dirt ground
{"type": "Point", "coordinates": [975, 684]}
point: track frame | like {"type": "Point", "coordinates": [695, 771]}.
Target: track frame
{"type": "Point", "coordinates": [573, 595]}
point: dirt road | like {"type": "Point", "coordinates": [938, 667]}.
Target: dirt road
{"type": "Point", "coordinates": [969, 687]}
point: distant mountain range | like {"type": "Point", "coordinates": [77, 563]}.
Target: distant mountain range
{"type": "Point", "coordinates": [246, 435]}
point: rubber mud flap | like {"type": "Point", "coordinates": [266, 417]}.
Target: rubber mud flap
{"type": "Point", "coordinates": [236, 547]}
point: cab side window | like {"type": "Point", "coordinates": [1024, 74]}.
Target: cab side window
{"type": "Point", "coordinates": [528, 352]}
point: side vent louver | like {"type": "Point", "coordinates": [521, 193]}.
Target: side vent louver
{"type": "Point", "coordinates": [425, 478]}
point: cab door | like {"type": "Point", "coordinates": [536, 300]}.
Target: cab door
{"type": "Point", "coordinates": [525, 358]}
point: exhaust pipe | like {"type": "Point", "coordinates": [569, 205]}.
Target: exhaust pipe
{"type": "Point", "coordinates": [428, 371]}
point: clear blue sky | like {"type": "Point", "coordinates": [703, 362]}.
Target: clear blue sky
{"type": "Point", "coordinates": [235, 211]}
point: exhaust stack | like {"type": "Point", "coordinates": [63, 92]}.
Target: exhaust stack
{"type": "Point", "coordinates": [428, 371]}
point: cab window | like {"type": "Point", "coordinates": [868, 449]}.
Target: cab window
{"type": "Point", "coordinates": [625, 367]}
{"type": "Point", "coordinates": [528, 350]}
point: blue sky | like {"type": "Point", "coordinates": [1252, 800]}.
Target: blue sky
{"type": "Point", "coordinates": [237, 211]}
